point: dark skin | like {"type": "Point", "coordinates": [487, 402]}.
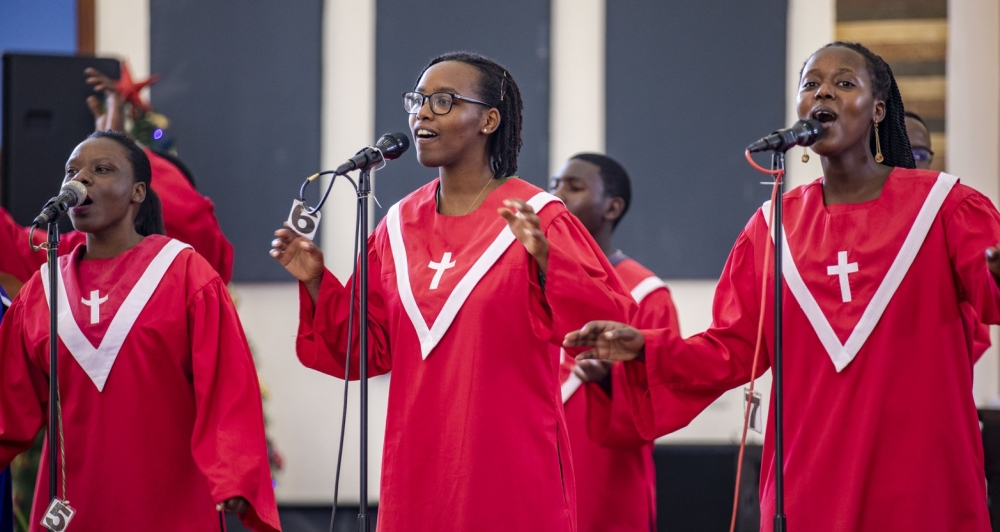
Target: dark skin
{"type": "Point", "coordinates": [919, 138]}
{"type": "Point", "coordinates": [834, 82]}
{"type": "Point", "coordinates": [459, 147]}
{"type": "Point", "coordinates": [580, 186]}
{"type": "Point", "coordinates": [108, 215]}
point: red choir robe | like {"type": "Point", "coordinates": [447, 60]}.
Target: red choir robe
{"type": "Point", "coordinates": [977, 333]}
{"type": "Point", "coordinates": [475, 434]}
{"type": "Point", "coordinates": [881, 431]}
{"type": "Point", "coordinates": [187, 216]}
{"type": "Point", "coordinates": [163, 419]}
{"type": "Point", "coordinates": [615, 474]}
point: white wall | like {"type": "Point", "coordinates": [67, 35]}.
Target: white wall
{"type": "Point", "coordinates": [122, 30]}
{"type": "Point", "coordinates": [576, 100]}
{"type": "Point", "coordinates": [811, 25]}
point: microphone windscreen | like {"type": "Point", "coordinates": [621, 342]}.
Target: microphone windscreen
{"type": "Point", "coordinates": [78, 189]}
{"type": "Point", "coordinates": [392, 145]}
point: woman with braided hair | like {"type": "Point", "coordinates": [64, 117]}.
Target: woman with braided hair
{"type": "Point", "coordinates": [466, 317]}
{"type": "Point", "coordinates": [881, 431]}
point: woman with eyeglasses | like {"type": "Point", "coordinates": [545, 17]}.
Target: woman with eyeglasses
{"type": "Point", "coordinates": [880, 424]}
{"type": "Point", "coordinates": [474, 277]}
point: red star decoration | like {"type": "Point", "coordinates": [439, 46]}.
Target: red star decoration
{"type": "Point", "coordinates": [129, 89]}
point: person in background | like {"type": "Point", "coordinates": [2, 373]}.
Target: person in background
{"type": "Point", "coordinates": [920, 140]}
{"type": "Point", "coordinates": [615, 474]}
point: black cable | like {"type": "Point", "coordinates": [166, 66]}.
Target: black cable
{"type": "Point", "coordinates": [322, 200]}
{"type": "Point", "coordinates": [347, 363]}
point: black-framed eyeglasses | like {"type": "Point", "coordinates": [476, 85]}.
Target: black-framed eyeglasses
{"type": "Point", "coordinates": [441, 102]}
{"type": "Point", "coordinates": [921, 155]}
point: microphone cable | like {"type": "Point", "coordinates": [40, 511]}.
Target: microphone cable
{"type": "Point", "coordinates": [768, 246]}
{"type": "Point", "coordinates": [350, 318]}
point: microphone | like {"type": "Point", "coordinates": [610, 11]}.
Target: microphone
{"type": "Point", "coordinates": [73, 193]}
{"type": "Point", "coordinates": [390, 146]}
{"type": "Point", "coordinates": [802, 133]}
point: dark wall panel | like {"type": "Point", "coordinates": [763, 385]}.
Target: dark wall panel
{"type": "Point", "coordinates": [689, 86]}
{"type": "Point", "coordinates": [408, 34]}
{"type": "Point", "coordinates": [240, 84]}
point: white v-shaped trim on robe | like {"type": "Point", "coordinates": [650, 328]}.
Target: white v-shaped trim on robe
{"type": "Point", "coordinates": [97, 361]}
{"type": "Point", "coordinates": [430, 336]}
{"type": "Point", "coordinates": [843, 354]}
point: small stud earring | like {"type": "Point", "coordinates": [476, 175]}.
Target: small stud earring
{"type": "Point", "coordinates": [805, 155]}
{"type": "Point", "coordinates": [484, 130]}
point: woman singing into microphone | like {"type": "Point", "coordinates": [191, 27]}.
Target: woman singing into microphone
{"type": "Point", "coordinates": [161, 408]}
{"type": "Point", "coordinates": [474, 276]}
{"type": "Point", "coordinates": [881, 431]}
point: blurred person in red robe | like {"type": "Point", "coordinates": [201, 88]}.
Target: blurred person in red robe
{"type": "Point", "coordinates": [615, 474]}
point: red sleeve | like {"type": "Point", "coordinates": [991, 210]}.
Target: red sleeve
{"type": "Point", "coordinates": [580, 284]}
{"type": "Point", "coordinates": [973, 227]}
{"type": "Point", "coordinates": [24, 390]}
{"type": "Point", "coordinates": [190, 217]}
{"type": "Point", "coordinates": [322, 338]}
{"type": "Point", "coordinates": [17, 259]}
{"type": "Point", "coordinates": [680, 378]}
{"type": "Point", "coordinates": [610, 419]}
{"type": "Point", "coordinates": [228, 440]}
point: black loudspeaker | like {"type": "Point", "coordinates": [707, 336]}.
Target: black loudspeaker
{"type": "Point", "coordinates": [695, 484]}
{"type": "Point", "coordinates": [990, 421]}
{"type": "Point", "coordinates": [45, 115]}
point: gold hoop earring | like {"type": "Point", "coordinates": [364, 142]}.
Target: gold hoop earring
{"type": "Point", "coordinates": [805, 155]}
{"type": "Point", "coordinates": [878, 146]}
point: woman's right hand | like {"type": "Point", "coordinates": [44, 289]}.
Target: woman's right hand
{"type": "Point", "coordinates": [300, 256]}
{"type": "Point", "coordinates": [608, 340]}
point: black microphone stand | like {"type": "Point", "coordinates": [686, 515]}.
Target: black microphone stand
{"type": "Point", "coordinates": [52, 252]}
{"type": "Point", "coordinates": [778, 164]}
{"type": "Point", "coordinates": [364, 190]}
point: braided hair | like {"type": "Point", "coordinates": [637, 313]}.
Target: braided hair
{"type": "Point", "coordinates": [892, 133]}
{"type": "Point", "coordinates": [149, 220]}
{"type": "Point", "coordinates": [496, 85]}
{"type": "Point", "coordinates": [614, 177]}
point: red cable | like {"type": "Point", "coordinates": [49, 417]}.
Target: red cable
{"type": "Point", "coordinates": [778, 174]}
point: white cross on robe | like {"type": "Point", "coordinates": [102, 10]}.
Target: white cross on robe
{"type": "Point", "coordinates": [445, 264]}
{"type": "Point", "coordinates": [95, 305]}
{"type": "Point", "coordinates": [843, 269]}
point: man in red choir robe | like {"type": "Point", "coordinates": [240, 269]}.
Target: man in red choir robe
{"type": "Point", "coordinates": [615, 475]}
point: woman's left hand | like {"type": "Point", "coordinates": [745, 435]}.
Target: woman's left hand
{"type": "Point", "coordinates": [236, 505]}
{"type": "Point", "coordinates": [526, 226]}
